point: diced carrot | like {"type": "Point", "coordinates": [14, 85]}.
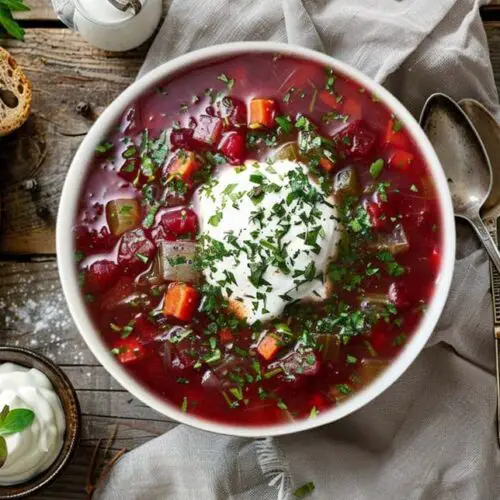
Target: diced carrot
{"type": "Point", "coordinates": [330, 100]}
{"type": "Point", "coordinates": [326, 164]}
{"type": "Point", "coordinates": [354, 109]}
{"type": "Point", "coordinates": [394, 134]}
{"type": "Point", "coordinates": [262, 113]}
{"type": "Point", "coordinates": [269, 346]}
{"type": "Point", "coordinates": [401, 159]}
{"type": "Point", "coordinates": [129, 351]}
{"type": "Point", "coordinates": [226, 336]}
{"type": "Point", "coordinates": [181, 301]}
{"type": "Point", "coordinates": [122, 215]}
{"type": "Point", "coordinates": [184, 166]}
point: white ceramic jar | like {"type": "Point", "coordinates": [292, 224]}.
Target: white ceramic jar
{"type": "Point", "coordinates": [106, 27]}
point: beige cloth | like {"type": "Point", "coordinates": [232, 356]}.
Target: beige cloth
{"type": "Point", "coordinates": [431, 436]}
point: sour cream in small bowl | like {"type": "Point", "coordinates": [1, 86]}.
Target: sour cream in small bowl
{"type": "Point", "coordinates": [37, 396]}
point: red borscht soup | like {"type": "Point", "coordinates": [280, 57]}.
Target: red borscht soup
{"type": "Point", "coordinates": [257, 239]}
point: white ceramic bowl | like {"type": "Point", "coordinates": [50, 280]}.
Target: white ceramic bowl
{"type": "Point", "coordinates": [69, 205]}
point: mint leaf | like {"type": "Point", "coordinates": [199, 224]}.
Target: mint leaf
{"type": "Point", "coordinates": [4, 413]}
{"type": "Point", "coordinates": [16, 421]}
{"type": "Point", "coordinates": [15, 5]}
{"type": "Point", "coordinates": [8, 24]}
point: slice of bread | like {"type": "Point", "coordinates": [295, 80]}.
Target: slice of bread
{"type": "Point", "coordinates": [15, 94]}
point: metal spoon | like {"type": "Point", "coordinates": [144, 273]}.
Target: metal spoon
{"type": "Point", "coordinates": [464, 161]}
{"type": "Point", "coordinates": [489, 131]}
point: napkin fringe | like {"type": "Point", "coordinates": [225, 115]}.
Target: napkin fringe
{"type": "Point", "coordinates": [274, 466]}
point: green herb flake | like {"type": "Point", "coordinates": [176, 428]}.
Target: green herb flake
{"type": "Point", "coordinates": [104, 147]}
{"type": "Point", "coordinates": [376, 168]}
{"type": "Point", "coordinates": [143, 258]}
{"type": "Point", "coordinates": [285, 124]}
{"type": "Point", "coordinates": [304, 490]}
{"type": "Point", "coordinates": [79, 256]}
{"type": "Point", "coordinates": [184, 405]}
{"type": "Point", "coordinates": [396, 125]}
{"type": "Point", "coordinates": [225, 79]}
{"type": "Point", "coordinates": [351, 360]}
{"type": "Point", "coordinates": [314, 412]}
{"type": "Point", "coordinates": [281, 405]}
{"type": "Point", "coordinates": [215, 219]}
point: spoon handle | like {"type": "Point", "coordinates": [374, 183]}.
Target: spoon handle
{"type": "Point", "coordinates": [487, 240]}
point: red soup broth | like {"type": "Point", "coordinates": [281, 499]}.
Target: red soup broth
{"type": "Point", "coordinates": [178, 336]}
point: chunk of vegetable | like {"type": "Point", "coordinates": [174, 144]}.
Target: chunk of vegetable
{"type": "Point", "coordinates": [122, 215]}
{"type": "Point", "coordinates": [181, 301]}
{"type": "Point", "coordinates": [288, 151]}
{"type": "Point", "coordinates": [400, 159]}
{"type": "Point", "coordinates": [299, 363]}
{"type": "Point", "coordinates": [129, 351]}
{"type": "Point", "coordinates": [356, 141]}
{"type": "Point", "coordinates": [370, 369]}
{"type": "Point", "coordinates": [395, 242]}
{"type": "Point", "coordinates": [226, 336]}
{"type": "Point", "coordinates": [100, 276]}
{"type": "Point", "coordinates": [232, 111]}
{"type": "Point", "coordinates": [208, 130]}
{"type": "Point", "coordinates": [262, 113]}
{"type": "Point", "coordinates": [174, 261]}
{"type": "Point", "coordinates": [269, 346]}
{"type": "Point", "coordinates": [378, 218]}
{"type": "Point", "coordinates": [374, 302]}
{"type": "Point", "coordinates": [182, 138]}
{"type": "Point", "coordinates": [326, 164]}
{"type": "Point", "coordinates": [346, 181]}
{"type": "Point", "coordinates": [233, 147]}
{"type": "Point", "coordinates": [395, 136]}
{"type": "Point", "coordinates": [184, 166]}
{"type": "Point", "coordinates": [170, 224]}
{"type": "Point", "coordinates": [136, 250]}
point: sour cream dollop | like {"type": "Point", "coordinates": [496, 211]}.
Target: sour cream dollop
{"type": "Point", "coordinates": [35, 449]}
{"type": "Point", "coordinates": [268, 233]}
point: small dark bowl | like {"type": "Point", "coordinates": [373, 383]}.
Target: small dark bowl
{"type": "Point", "coordinates": [71, 407]}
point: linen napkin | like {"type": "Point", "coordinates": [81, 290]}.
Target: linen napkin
{"type": "Point", "coordinates": [432, 434]}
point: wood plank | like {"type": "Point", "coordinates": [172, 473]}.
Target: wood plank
{"type": "Point", "coordinates": [44, 147]}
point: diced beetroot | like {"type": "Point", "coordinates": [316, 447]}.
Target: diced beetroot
{"type": "Point", "coordinates": [123, 289]}
{"type": "Point", "coordinates": [172, 223]}
{"type": "Point", "coordinates": [377, 215]}
{"type": "Point", "coordinates": [398, 295]}
{"type": "Point", "coordinates": [182, 138]}
{"type": "Point", "coordinates": [100, 276]}
{"type": "Point", "coordinates": [232, 146]}
{"type": "Point", "coordinates": [356, 140]}
{"type": "Point", "coordinates": [145, 329]}
{"type": "Point", "coordinates": [94, 239]}
{"type": "Point", "coordinates": [226, 336]}
{"type": "Point", "coordinates": [135, 251]}
{"type": "Point", "coordinates": [233, 111]}
{"type": "Point", "coordinates": [208, 130]}
{"type": "Point", "coordinates": [129, 350]}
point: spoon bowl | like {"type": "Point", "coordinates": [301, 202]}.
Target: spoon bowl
{"type": "Point", "coordinates": [464, 160]}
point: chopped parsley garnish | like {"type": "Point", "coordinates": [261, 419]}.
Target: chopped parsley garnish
{"type": "Point", "coordinates": [285, 124]}
{"type": "Point", "coordinates": [225, 79]}
{"type": "Point", "coordinates": [396, 125]}
{"type": "Point", "coordinates": [376, 168]}
{"type": "Point", "coordinates": [104, 147]}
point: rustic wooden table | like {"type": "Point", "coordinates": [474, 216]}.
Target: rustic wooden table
{"type": "Point", "coordinates": [65, 71]}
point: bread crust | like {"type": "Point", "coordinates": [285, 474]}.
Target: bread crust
{"type": "Point", "coordinates": [13, 81]}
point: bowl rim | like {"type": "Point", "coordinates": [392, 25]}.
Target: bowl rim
{"type": "Point", "coordinates": [67, 214]}
{"type": "Point", "coordinates": [72, 434]}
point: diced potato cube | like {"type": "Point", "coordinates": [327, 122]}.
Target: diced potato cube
{"type": "Point", "coordinates": [346, 181]}
{"type": "Point", "coordinates": [122, 215]}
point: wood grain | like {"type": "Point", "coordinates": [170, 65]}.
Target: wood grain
{"type": "Point", "coordinates": [33, 314]}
